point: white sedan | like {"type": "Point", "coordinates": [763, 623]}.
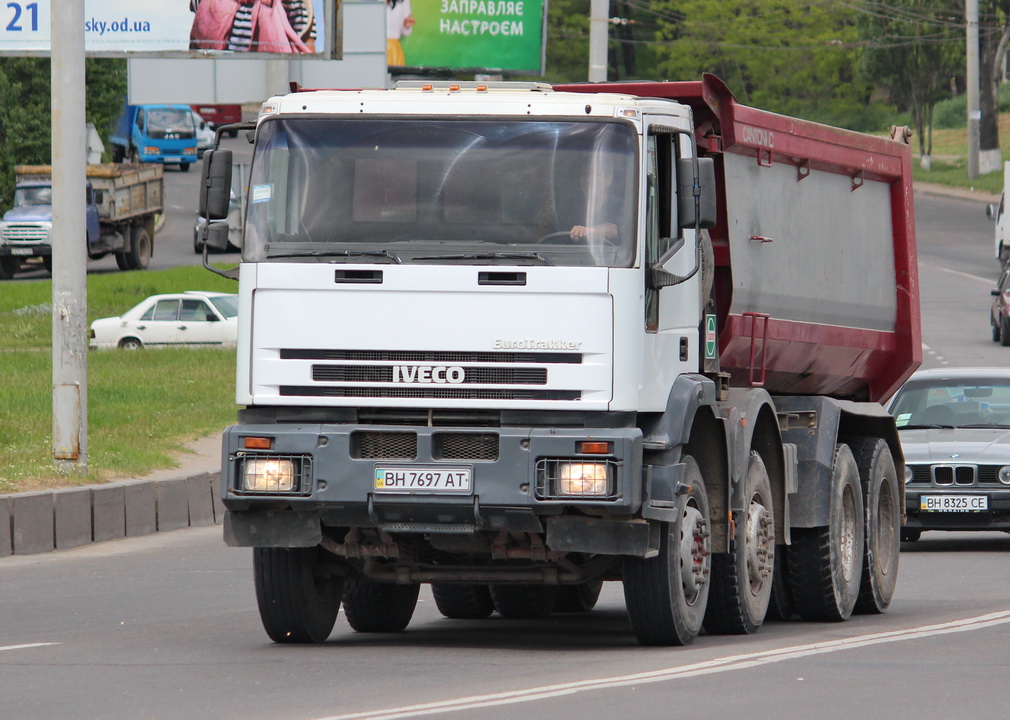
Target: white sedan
{"type": "Point", "coordinates": [197, 319]}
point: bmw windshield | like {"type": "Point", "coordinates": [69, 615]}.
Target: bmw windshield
{"type": "Point", "coordinates": [480, 191]}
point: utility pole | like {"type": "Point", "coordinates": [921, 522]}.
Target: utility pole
{"type": "Point", "coordinates": [70, 260]}
{"type": "Point", "coordinates": [599, 22]}
{"type": "Point", "coordinates": [974, 113]}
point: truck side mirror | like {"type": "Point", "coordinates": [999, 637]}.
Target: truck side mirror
{"type": "Point", "coordinates": [216, 236]}
{"type": "Point", "coordinates": [215, 187]}
{"type": "Point", "coordinates": [696, 205]}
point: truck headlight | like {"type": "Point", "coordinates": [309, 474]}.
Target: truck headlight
{"type": "Point", "coordinates": [269, 475]}
{"type": "Point", "coordinates": [151, 151]}
{"type": "Point", "coordinates": [584, 478]}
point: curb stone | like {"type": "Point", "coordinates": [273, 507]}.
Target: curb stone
{"type": "Point", "coordinates": [60, 519]}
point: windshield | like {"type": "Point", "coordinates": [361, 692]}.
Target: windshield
{"type": "Point", "coordinates": [945, 402]}
{"type": "Point", "coordinates": [25, 196]}
{"type": "Point", "coordinates": [227, 305]}
{"type": "Point", "coordinates": [443, 191]}
{"type": "Point", "coordinates": [169, 123]}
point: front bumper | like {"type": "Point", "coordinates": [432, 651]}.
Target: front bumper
{"type": "Point", "coordinates": [997, 517]}
{"type": "Point", "coordinates": [336, 485]}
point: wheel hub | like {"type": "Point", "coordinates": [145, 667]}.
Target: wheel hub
{"type": "Point", "coordinates": [694, 553]}
{"type": "Point", "coordinates": [760, 545]}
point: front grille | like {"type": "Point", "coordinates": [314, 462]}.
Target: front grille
{"type": "Point", "coordinates": [429, 392]}
{"type": "Point", "coordinates": [431, 357]}
{"type": "Point", "coordinates": [384, 445]}
{"type": "Point", "coordinates": [473, 375]}
{"type": "Point", "coordinates": [954, 474]}
{"type": "Point", "coordinates": [25, 234]}
{"type": "Point", "coordinates": [466, 446]}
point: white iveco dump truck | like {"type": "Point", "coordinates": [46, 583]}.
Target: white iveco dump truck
{"type": "Point", "coordinates": [516, 341]}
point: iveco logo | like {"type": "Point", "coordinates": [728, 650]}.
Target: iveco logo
{"type": "Point", "coordinates": [427, 374]}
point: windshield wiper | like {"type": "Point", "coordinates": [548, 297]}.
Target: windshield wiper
{"type": "Point", "coordinates": [339, 253]}
{"type": "Point", "coordinates": [928, 427]}
{"type": "Point", "coordinates": [488, 256]}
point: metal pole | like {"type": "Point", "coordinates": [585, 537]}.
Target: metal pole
{"type": "Point", "coordinates": [599, 27]}
{"type": "Point", "coordinates": [69, 178]}
{"type": "Point", "coordinates": [974, 114]}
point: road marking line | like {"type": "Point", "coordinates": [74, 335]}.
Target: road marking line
{"type": "Point", "coordinates": [987, 281]}
{"type": "Point", "coordinates": [28, 645]}
{"type": "Point", "coordinates": [733, 662]}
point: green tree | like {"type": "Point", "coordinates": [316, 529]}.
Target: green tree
{"type": "Point", "coordinates": [994, 35]}
{"type": "Point", "coordinates": [790, 56]}
{"type": "Point", "coordinates": [914, 48]}
{"type": "Point", "coordinates": [26, 110]}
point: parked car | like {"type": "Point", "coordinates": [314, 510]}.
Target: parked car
{"type": "Point", "coordinates": [189, 318]}
{"type": "Point", "coordinates": [954, 426]}
{"type": "Point", "coordinates": [234, 226]}
{"type": "Point", "coordinates": [218, 115]}
{"type": "Point", "coordinates": [999, 312]}
{"type": "Point", "coordinates": [204, 134]}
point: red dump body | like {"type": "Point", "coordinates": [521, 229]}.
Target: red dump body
{"type": "Point", "coordinates": [816, 277]}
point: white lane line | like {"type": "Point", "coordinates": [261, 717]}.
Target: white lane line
{"type": "Point", "coordinates": [734, 662]}
{"type": "Point", "coordinates": [987, 281]}
{"type": "Point", "coordinates": [27, 645]}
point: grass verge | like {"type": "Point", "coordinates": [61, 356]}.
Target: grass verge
{"type": "Point", "coordinates": [143, 406]}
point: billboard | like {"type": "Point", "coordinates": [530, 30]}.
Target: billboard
{"type": "Point", "coordinates": [190, 28]}
{"type": "Point", "coordinates": [481, 35]}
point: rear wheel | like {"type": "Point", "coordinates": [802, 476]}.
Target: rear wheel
{"type": "Point", "coordinates": [742, 580]}
{"type": "Point", "coordinates": [298, 599]}
{"type": "Point", "coordinates": [47, 263]}
{"type": "Point", "coordinates": [825, 563]}
{"type": "Point", "coordinates": [1004, 332]}
{"type": "Point", "coordinates": [373, 607]}
{"type": "Point", "coordinates": [524, 602]}
{"type": "Point", "coordinates": [882, 523]}
{"type": "Point", "coordinates": [463, 602]}
{"type": "Point", "coordinates": [579, 598]}
{"type": "Point", "coordinates": [667, 595]}
{"type": "Point", "coordinates": [139, 255]}
{"type": "Point", "coordinates": [130, 343]}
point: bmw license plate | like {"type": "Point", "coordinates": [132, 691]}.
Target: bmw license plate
{"type": "Point", "coordinates": [21, 251]}
{"type": "Point", "coordinates": [954, 503]}
{"type": "Point", "coordinates": [423, 479]}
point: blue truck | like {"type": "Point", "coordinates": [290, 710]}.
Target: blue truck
{"type": "Point", "coordinates": [122, 205]}
{"type": "Point", "coordinates": [155, 134]}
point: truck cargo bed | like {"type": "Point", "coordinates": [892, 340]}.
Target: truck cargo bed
{"type": "Point", "coordinates": [127, 190]}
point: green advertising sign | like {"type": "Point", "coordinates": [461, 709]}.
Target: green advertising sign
{"type": "Point", "coordinates": [471, 34]}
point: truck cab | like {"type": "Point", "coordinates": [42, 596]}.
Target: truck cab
{"type": "Point", "coordinates": [156, 134]}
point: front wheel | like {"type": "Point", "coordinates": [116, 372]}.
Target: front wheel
{"type": "Point", "coordinates": [8, 268]}
{"type": "Point", "coordinates": [184, 167]}
{"type": "Point", "coordinates": [667, 595]}
{"type": "Point", "coordinates": [1004, 331]}
{"type": "Point", "coordinates": [298, 599]}
{"type": "Point", "coordinates": [910, 534]}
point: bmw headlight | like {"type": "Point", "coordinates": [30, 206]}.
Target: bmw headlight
{"type": "Point", "coordinates": [1004, 474]}
{"type": "Point", "coordinates": [908, 474]}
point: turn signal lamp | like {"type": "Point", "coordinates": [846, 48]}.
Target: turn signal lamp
{"type": "Point", "coordinates": [257, 443]}
{"type": "Point", "coordinates": [583, 479]}
{"type": "Point", "coordinates": [591, 447]}
{"type": "Point", "coordinates": [269, 475]}
{"type": "Point", "coordinates": [268, 109]}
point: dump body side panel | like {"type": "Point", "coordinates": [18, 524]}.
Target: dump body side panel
{"type": "Point", "coordinates": [816, 279]}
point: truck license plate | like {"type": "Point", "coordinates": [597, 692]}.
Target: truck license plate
{"type": "Point", "coordinates": [420, 479]}
{"type": "Point", "coordinates": [954, 503]}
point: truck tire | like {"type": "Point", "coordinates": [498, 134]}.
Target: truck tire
{"type": "Point", "coordinates": [780, 606]}
{"type": "Point", "coordinates": [298, 601]}
{"type": "Point", "coordinates": [524, 602]}
{"type": "Point", "coordinates": [667, 595]}
{"type": "Point", "coordinates": [139, 254]}
{"type": "Point", "coordinates": [882, 524]}
{"type": "Point", "coordinates": [184, 167]}
{"type": "Point", "coordinates": [825, 563]}
{"type": "Point", "coordinates": [374, 607]}
{"type": "Point", "coordinates": [8, 268]}
{"type": "Point", "coordinates": [578, 598]}
{"type": "Point", "coordinates": [742, 580]}
{"type": "Point", "coordinates": [463, 602]}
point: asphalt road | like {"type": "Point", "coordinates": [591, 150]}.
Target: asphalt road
{"type": "Point", "coordinates": [166, 626]}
